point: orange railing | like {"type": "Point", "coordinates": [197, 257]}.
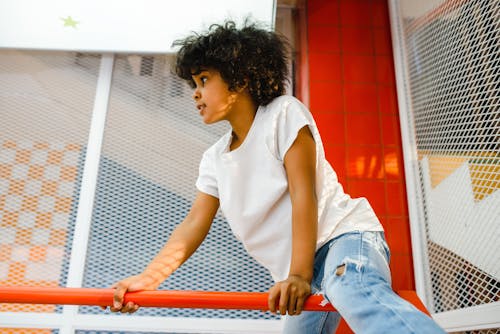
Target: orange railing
{"type": "Point", "coordinates": [157, 298]}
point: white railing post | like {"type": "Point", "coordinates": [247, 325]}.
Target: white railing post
{"type": "Point", "coordinates": [83, 222]}
{"type": "Point", "coordinates": [411, 164]}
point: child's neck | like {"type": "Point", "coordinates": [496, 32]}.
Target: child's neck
{"type": "Point", "coordinates": [242, 122]}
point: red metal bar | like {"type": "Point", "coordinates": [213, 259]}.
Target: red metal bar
{"type": "Point", "coordinates": [157, 298]}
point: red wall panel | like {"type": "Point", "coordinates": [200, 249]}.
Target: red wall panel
{"type": "Point", "coordinates": [352, 96]}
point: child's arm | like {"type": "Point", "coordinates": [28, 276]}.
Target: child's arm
{"type": "Point", "coordinates": [182, 243]}
{"type": "Point", "coordinates": [300, 165]}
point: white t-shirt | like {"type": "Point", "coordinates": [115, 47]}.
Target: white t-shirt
{"type": "Point", "coordinates": [252, 187]}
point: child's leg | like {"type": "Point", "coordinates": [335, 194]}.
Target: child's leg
{"type": "Point", "coordinates": [357, 282]}
{"type": "Point", "coordinates": [312, 323]}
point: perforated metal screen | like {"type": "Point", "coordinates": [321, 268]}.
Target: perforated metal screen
{"type": "Point", "coordinates": [45, 108]}
{"type": "Point", "coordinates": [452, 54]}
{"type": "Point", "coordinates": [484, 331]}
{"type": "Point", "coordinates": [153, 142]}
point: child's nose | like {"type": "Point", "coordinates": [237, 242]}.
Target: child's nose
{"type": "Point", "coordinates": [196, 94]}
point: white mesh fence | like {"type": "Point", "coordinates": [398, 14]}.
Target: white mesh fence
{"type": "Point", "coordinates": [153, 142]}
{"type": "Point", "coordinates": [46, 104]}
{"type": "Point", "coordinates": [453, 82]}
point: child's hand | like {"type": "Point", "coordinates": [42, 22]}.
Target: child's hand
{"type": "Point", "coordinates": [130, 284]}
{"type": "Point", "coordinates": [291, 294]}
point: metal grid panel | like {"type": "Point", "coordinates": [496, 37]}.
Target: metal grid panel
{"type": "Point", "coordinates": [45, 106]}
{"type": "Point", "coordinates": [454, 66]}
{"type": "Point", "coordinates": [483, 331]}
{"type": "Point", "coordinates": [153, 143]}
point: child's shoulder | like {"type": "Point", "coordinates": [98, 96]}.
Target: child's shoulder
{"type": "Point", "coordinates": [282, 99]}
{"type": "Point", "coordinates": [284, 104]}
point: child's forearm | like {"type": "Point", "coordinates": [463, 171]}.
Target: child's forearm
{"type": "Point", "coordinates": [183, 242]}
{"type": "Point", "coordinates": [185, 239]}
{"type": "Point", "coordinates": [304, 235]}
{"type": "Point", "coordinates": [166, 261]}
{"type": "Point", "coordinates": [300, 165]}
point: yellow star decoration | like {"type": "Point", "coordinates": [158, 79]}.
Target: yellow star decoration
{"type": "Point", "coordinates": [69, 22]}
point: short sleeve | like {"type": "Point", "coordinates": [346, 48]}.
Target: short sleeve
{"type": "Point", "coordinates": [290, 119]}
{"type": "Point", "coordinates": [207, 181]}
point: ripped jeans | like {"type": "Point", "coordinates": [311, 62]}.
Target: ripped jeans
{"type": "Point", "coordinates": [352, 272]}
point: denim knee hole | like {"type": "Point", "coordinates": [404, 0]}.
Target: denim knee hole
{"type": "Point", "coordinates": [340, 271]}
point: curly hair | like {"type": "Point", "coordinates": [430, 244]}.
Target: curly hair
{"type": "Point", "coordinates": [249, 57]}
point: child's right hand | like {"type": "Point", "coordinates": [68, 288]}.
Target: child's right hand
{"type": "Point", "coordinates": [130, 284]}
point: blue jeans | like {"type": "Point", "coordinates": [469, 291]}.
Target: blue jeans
{"type": "Point", "coordinates": [352, 272]}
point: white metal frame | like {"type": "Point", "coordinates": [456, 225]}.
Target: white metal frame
{"type": "Point", "coordinates": [88, 185]}
{"type": "Point", "coordinates": [413, 190]}
{"type": "Point", "coordinates": [471, 318]}
{"type": "Point", "coordinates": [131, 323]}
{"type": "Point", "coordinates": [484, 316]}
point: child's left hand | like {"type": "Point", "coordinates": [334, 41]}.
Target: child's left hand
{"type": "Point", "coordinates": [291, 294]}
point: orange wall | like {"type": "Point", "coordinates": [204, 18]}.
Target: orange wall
{"type": "Point", "coordinates": [352, 96]}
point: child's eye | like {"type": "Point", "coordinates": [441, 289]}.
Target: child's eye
{"type": "Point", "coordinates": [203, 80]}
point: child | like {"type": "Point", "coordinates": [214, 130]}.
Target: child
{"type": "Point", "coordinates": [280, 196]}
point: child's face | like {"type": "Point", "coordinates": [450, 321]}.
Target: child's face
{"type": "Point", "coordinates": [213, 98]}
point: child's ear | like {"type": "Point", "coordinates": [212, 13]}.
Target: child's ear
{"type": "Point", "coordinates": [243, 87]}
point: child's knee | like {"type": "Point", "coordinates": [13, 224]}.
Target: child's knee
{"type": "Point", "coordinates": [340, 271]}
{"type": "Point", "coordinates": [343, 282]}
{"type": "Point", "coordinates": [347, 270]}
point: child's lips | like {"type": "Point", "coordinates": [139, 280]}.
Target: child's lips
{"type": "Point", "coordinates": [201, 108]}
